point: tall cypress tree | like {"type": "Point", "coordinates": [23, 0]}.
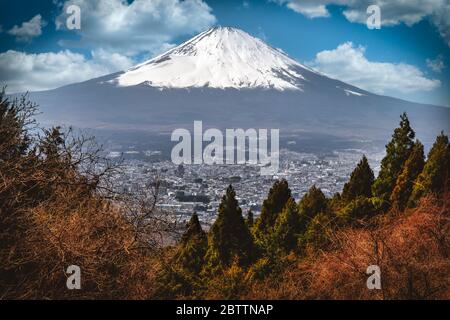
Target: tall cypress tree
{"type": "Point", "coordinates": [405, 181]}
{"type": "Point", "coordinates": [313, 203]}
{"type": "Point", "coordinates": [193, 247]}
{"type": "Point", "coordinates": [398, 151]}
{"type": "Point", "coordinates": [250, 218]}
{"type": "Point", "coordinates": [435, 177]}
{"type": "Point", "coordinates": [360, 183]}
{"type": "Point", "coordinates": [183, 277]}
{"type": "Point", "coordinates": [277, 198]}
{"type": "Point", "coordinates": [229, 237]}
{"type": "Point", "coordinates": [287, 227]}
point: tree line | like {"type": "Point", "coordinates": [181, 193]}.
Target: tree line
{"type": "Point", "coordinates": [284, 226]}
{"type": "Point", "coordinates": [58, 208]}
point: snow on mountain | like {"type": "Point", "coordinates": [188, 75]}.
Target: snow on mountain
{"type": "Point", "coordinates": [221, 57]}
{"type": "Point", "coordinates": [229, 79]}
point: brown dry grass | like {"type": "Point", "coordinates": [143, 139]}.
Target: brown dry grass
{"type": "Point", "coordinates": [412, 251]}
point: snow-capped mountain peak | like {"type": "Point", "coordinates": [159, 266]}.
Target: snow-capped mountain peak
{"type": "Point", "coordinates": [260, 84]}
{"type": "Point", "coordinates": [221, 57]}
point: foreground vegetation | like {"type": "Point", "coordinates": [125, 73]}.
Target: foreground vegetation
{"type": "Point", "coordinates": [57, 208]}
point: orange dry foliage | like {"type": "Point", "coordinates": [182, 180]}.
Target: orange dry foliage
{"type": "Point", "coordinates": [412, 251]}
{"type": "Point", "coordinates": [89, 233]}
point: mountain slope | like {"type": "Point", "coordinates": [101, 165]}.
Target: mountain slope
{"type": "Point", "coordinates": [229, 79]}
{"type": "Point", "coordinates": [219, 58]}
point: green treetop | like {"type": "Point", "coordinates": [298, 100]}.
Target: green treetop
{"type": "Point", "coordinates": [250, 219]}
{"type": "Point", "coordinates": [435, 177]}
{"type": "Point", "coordinates": [277, 198]}
{"type": "Point", "coordinates": [313, 203]}
{"type": "Point", "coordinates": [405, 181]}
{"type": "Point", "coordinates": [287, 227]}
{"type": "Point", "coordinates": [360, 183]}
{"type": "Point", "coordinates": [397, 152]}
{"type": "Point", "coordinates": [229, 236]}
{"type": "Point", "coordinates": [194, 243]}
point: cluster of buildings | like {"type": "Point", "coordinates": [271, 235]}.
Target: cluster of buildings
{"type": "Point", "coordinates": [188, 188]}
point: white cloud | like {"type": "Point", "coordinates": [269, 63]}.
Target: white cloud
{"type": "Point", "coordinates": [442, 21]}
{"type": "Point", "coordinates": [139, 27]}
{"type": "Point", "coordinates": [393, 12]}
{"type": "Point", "coordinates": [408, 12]}
{"type": "Point", "coordinates": [348, 63]}
{"type": "Point", "coordinates": [29, 29]}
{"type": "Point", "coordinates": [118, 34]}
{"type": "Point", "coordinates": [32, 72]}
{"type": "Point", "coordinates": [437, 65]}
{"type": "Point", "coordinates": [309, 10]}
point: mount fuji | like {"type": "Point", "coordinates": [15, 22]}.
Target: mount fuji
{"type": "Point", "coordinates": [229, 79]}
{"type": "Point", "coordinates": [219, 58]}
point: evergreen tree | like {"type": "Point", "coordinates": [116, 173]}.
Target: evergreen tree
{"type": "Point", "coordinates": [317, 234]}
{"type": "Point", "coordinates": [357, 209]}
{"type": "Point", "coordinates": [398, 151]}
{"type": "Point", "coordinates": [229, 237]}
{"type": "Point", "coordinates": [287, 227]}
{"type": "Point", "coordinates": [183, 277]}
{"type": "Point", "coordinates": [250, 219]}
{"type": "Point", "coordinates": [312, 203]}
{"type": "Point", "coordinates": [360, 183]}
{"type": "Point", "coordinates": [405, 181]}
{"type": "Point", "coordinates": [435, 177]}
{"type": "Point", "coordinates": [277, 198]}
{"type": "Point", "coordinates": [193, 247]}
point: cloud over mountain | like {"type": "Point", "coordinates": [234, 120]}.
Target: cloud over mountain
{"type": "Point", "coordinates": [115, 33]}
{"type": "Point", "coordinates": [31, 72]}
{"type": "Point", "coordinates": [138, 27]}
{"type": "Point", "coordinates": [348, 63]}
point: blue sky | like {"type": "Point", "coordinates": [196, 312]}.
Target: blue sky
{"type": "Point", "coordinates": [407, 58]}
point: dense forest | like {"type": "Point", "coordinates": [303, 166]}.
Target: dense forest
{"type": "Point", "coordinates": [58, 208]}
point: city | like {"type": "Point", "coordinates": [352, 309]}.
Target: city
{"type": "Point", "coordinates": [200, 187]}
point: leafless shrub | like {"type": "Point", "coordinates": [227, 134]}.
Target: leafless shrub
{"type": "Point", "coordinates": [59, 206]}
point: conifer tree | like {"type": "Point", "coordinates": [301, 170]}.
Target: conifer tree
{"type": "Point", "coordinates": [435, 177]}
{"type": "Point", "coordinates": [193, 247]}
{"type": "Point", "coordinates": [313, 202]}
{"type": "Point", "coordinates": [317, 233]}
{"type": "Point", "coordinates": [277, 198]}
{"type": "Point", "coordinates": [397, 152]}
{"type": "Point", "coordinates": [358, 209]}
{"type": "Point", "coordinates": [405, 181]}
{"type": "Point", "coordinates": [287, 227]}
{"type": "Point", "coordinates": [229, 237]}
{"type": "Point", "coordinates": [250, 219]}
{"type": "Point", "coordinates": [360, 183]}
